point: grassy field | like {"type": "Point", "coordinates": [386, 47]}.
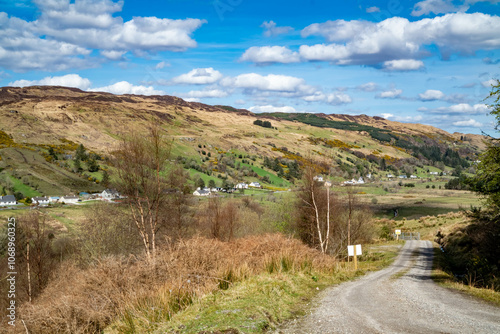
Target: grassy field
{"type": "Point", "coordinates": [48, 178]}
{"type": "Point", "coordinates": [260, 302]}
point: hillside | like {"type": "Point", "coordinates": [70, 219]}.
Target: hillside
{"type": "Point", "coordinates": [217, 142]}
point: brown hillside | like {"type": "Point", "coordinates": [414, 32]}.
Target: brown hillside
{"type": "Point", "coordinates": [45, 114]}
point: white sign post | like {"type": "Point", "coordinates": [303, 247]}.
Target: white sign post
{"type": "Point", "coordinates": [398, 233]}
{"type": "Point", "coordinates": [354, 250]}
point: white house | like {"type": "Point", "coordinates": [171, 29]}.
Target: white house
{"type": "Point", "coordinates": [390, 176]}
{"type": "Point", "coordinates": [361, 181]}
{"type": "Point", "coordinates": [201, 192]}
{"type": "Point", "coordinates": [255, 185]}
{"type": "Point", "coordinates": [318, 178]}
{"type": "Point", "coordinates": [8, 200]}
{"type": "Point", "coordinates": [69, 199]}
{"type": "Point", "coordinates": [110, 194]}
{"type": "Point", "coordinates": [241, 186]}
{"type": "Point", "coordinates": [40, 200]}
{"type": "Point", "coordinates": [413, 176]}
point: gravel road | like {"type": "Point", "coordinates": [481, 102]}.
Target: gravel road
{"type": "Point", "coordinates": [382, 302]}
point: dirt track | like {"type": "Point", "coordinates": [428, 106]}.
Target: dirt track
{"type": "Point", "coordinates": [383, 302]}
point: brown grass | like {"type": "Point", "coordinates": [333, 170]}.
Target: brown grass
{"type": "Point", "coordinates": [88, 300]}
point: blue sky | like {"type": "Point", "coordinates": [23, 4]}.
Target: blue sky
{"type": "Point", "coordinates": [430, 62]}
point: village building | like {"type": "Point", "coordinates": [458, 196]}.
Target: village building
{"type": "Point", "coordinates": [8, 200]}
{"type": "Point", "coordinates": [42, 201]}
{"type": "Point", "coordinates": [69, 199]}
{"type": "Point", "coordinates": [201, 192]}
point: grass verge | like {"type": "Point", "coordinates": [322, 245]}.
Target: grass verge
{"type": "Point", "coordinates": [447, 280]}
{"type": "Point", "coordinates": [283, 291]}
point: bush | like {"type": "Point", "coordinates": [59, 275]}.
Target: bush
{"type": "Point", "coordinates": [123, 290]}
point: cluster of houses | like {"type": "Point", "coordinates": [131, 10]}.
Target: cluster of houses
{"type": "Point", "coordinates": [353, 182]}
{"type": "Point", "coordinates": [210, 191]}
{"type": "Point", "coordinates": [107, 195]}
{"type": "Point", "coordinates": [402, 176]}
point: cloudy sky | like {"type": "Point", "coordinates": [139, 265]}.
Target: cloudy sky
{"type": "Point", "coordinates": [429, 62]}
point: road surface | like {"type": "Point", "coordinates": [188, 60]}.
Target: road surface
{"type": "Point", "coordinates": [388, 302]}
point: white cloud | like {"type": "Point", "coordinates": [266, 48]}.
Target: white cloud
{"type": "Point", "coordinates": [335, 98]}
{"type": "Point", "coordinates": [162, 65]}
{"type": "Point", "coordinates": [69, 80]}
{"type": "Point", "coordinates": [199, 76]}
{"type": "Point", "coordinates": [443, 6]}
{"type": "Point", "coordinates": [338, 98]}
{"type": "Point", "coordinates": [390, 94]}
{"type": "Point", "coordinates": [459, 109]}
{"type": "Point", "coordinates": [403, 65]}
{"type": "Point", "coordinates": [124, 87]}
{"type": "Point", "coordinates": [435, 95]}
{"type": "Point", "coordinates": [469, 123]}
{"type": "Point", "coordinates": [113, 55]}
{"type": "Point", "coordinates": [373, 9]}
{"type": "Point", "coordinates": [398, 43]}
{"type": "Point", "coordinates": [489, 83]}
{"type": "Point", "coordinates": [406, 119]}
{"type": "Point", "coordinates": [209, 93]}
{"type": "Point", "coordinates": [273, 30]}
{"type": "Point", "coordinates": [270, 54]}
{"type": "Point", "coordinates": [431, 95]}
{"type": "Point", "coordinates": [368, 87]}
{"type": "Point", "coordinates": [270, 82]}
{"type": "Point", "coordinates": [433, 6]}
{"type": "Point", "coordinates": [270, 108]}
{"type": "Point", "coordinates": [65, 34]}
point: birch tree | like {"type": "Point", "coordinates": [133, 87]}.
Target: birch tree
{"type": "Point", "coordinates": [315, 208]}
{"type": "Point", "coordinates": [141, 162]}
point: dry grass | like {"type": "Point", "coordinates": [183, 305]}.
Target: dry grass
{"type": "Point", "coordinates": [128, 290]}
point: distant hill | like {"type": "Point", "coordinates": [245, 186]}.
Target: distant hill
{"type": "Point", "coordinates": [213, 141]}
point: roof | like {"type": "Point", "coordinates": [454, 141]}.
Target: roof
{"type": "Point", "coordinates": [70, 197]}
{"type": "Point", "coordinates": [40, 198]}
{"type": "Point", "coordinates": [202, 191]}
{"type": "Point", "coordinates": [8, 198]}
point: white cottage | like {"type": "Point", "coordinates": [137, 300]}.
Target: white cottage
{"type": "Point", "coordinates": [40, 200]}
{"type": "Point", "coordinates": [69, 199]}
{"type": "Point", "coordinates": [8, 200]}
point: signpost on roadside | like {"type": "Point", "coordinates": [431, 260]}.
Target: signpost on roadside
{"type": "Point", "coordinates": [354, 250]}
{"type": "Point", "coordinates": [398, 233]}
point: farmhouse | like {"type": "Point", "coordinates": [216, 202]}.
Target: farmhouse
{"type": "Point", "coordinates": [69, 199]}
{"type": "Point", "coordinates": [201, 192]}
{"type": "Point", "coordinates": [40, 200]}
{"type": "Point", "coordinates": [255, 185]}
{"type": "Point", "coordinates": [7, 200]}
{"type": "Point", "coordinates": [110, 194]}
{"type": "Point", "coordinates": [318, 178]}
{"type": "Point", "coordinates": [241, 186]}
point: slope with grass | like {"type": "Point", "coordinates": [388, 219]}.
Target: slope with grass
{"type": "Point", "coordinates": [345, 146]}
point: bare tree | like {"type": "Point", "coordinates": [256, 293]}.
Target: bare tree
{"type": "Point", "coordinates": [107, 230]}
{"type": "Point", "coordinates": [141, 162]}
{"type": "Point", "coordinates": [221, 219]}
{"type": "Point", "coordinates": [230, 215]}
{"type": "Point", "coordinates": [214, 217]}
{"type": "Point", "coordinates": [315, 207]}
{"type": "Point", "coordinates": [180, 203]}
{"type": "Point", "coordinates": [36, 238]}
